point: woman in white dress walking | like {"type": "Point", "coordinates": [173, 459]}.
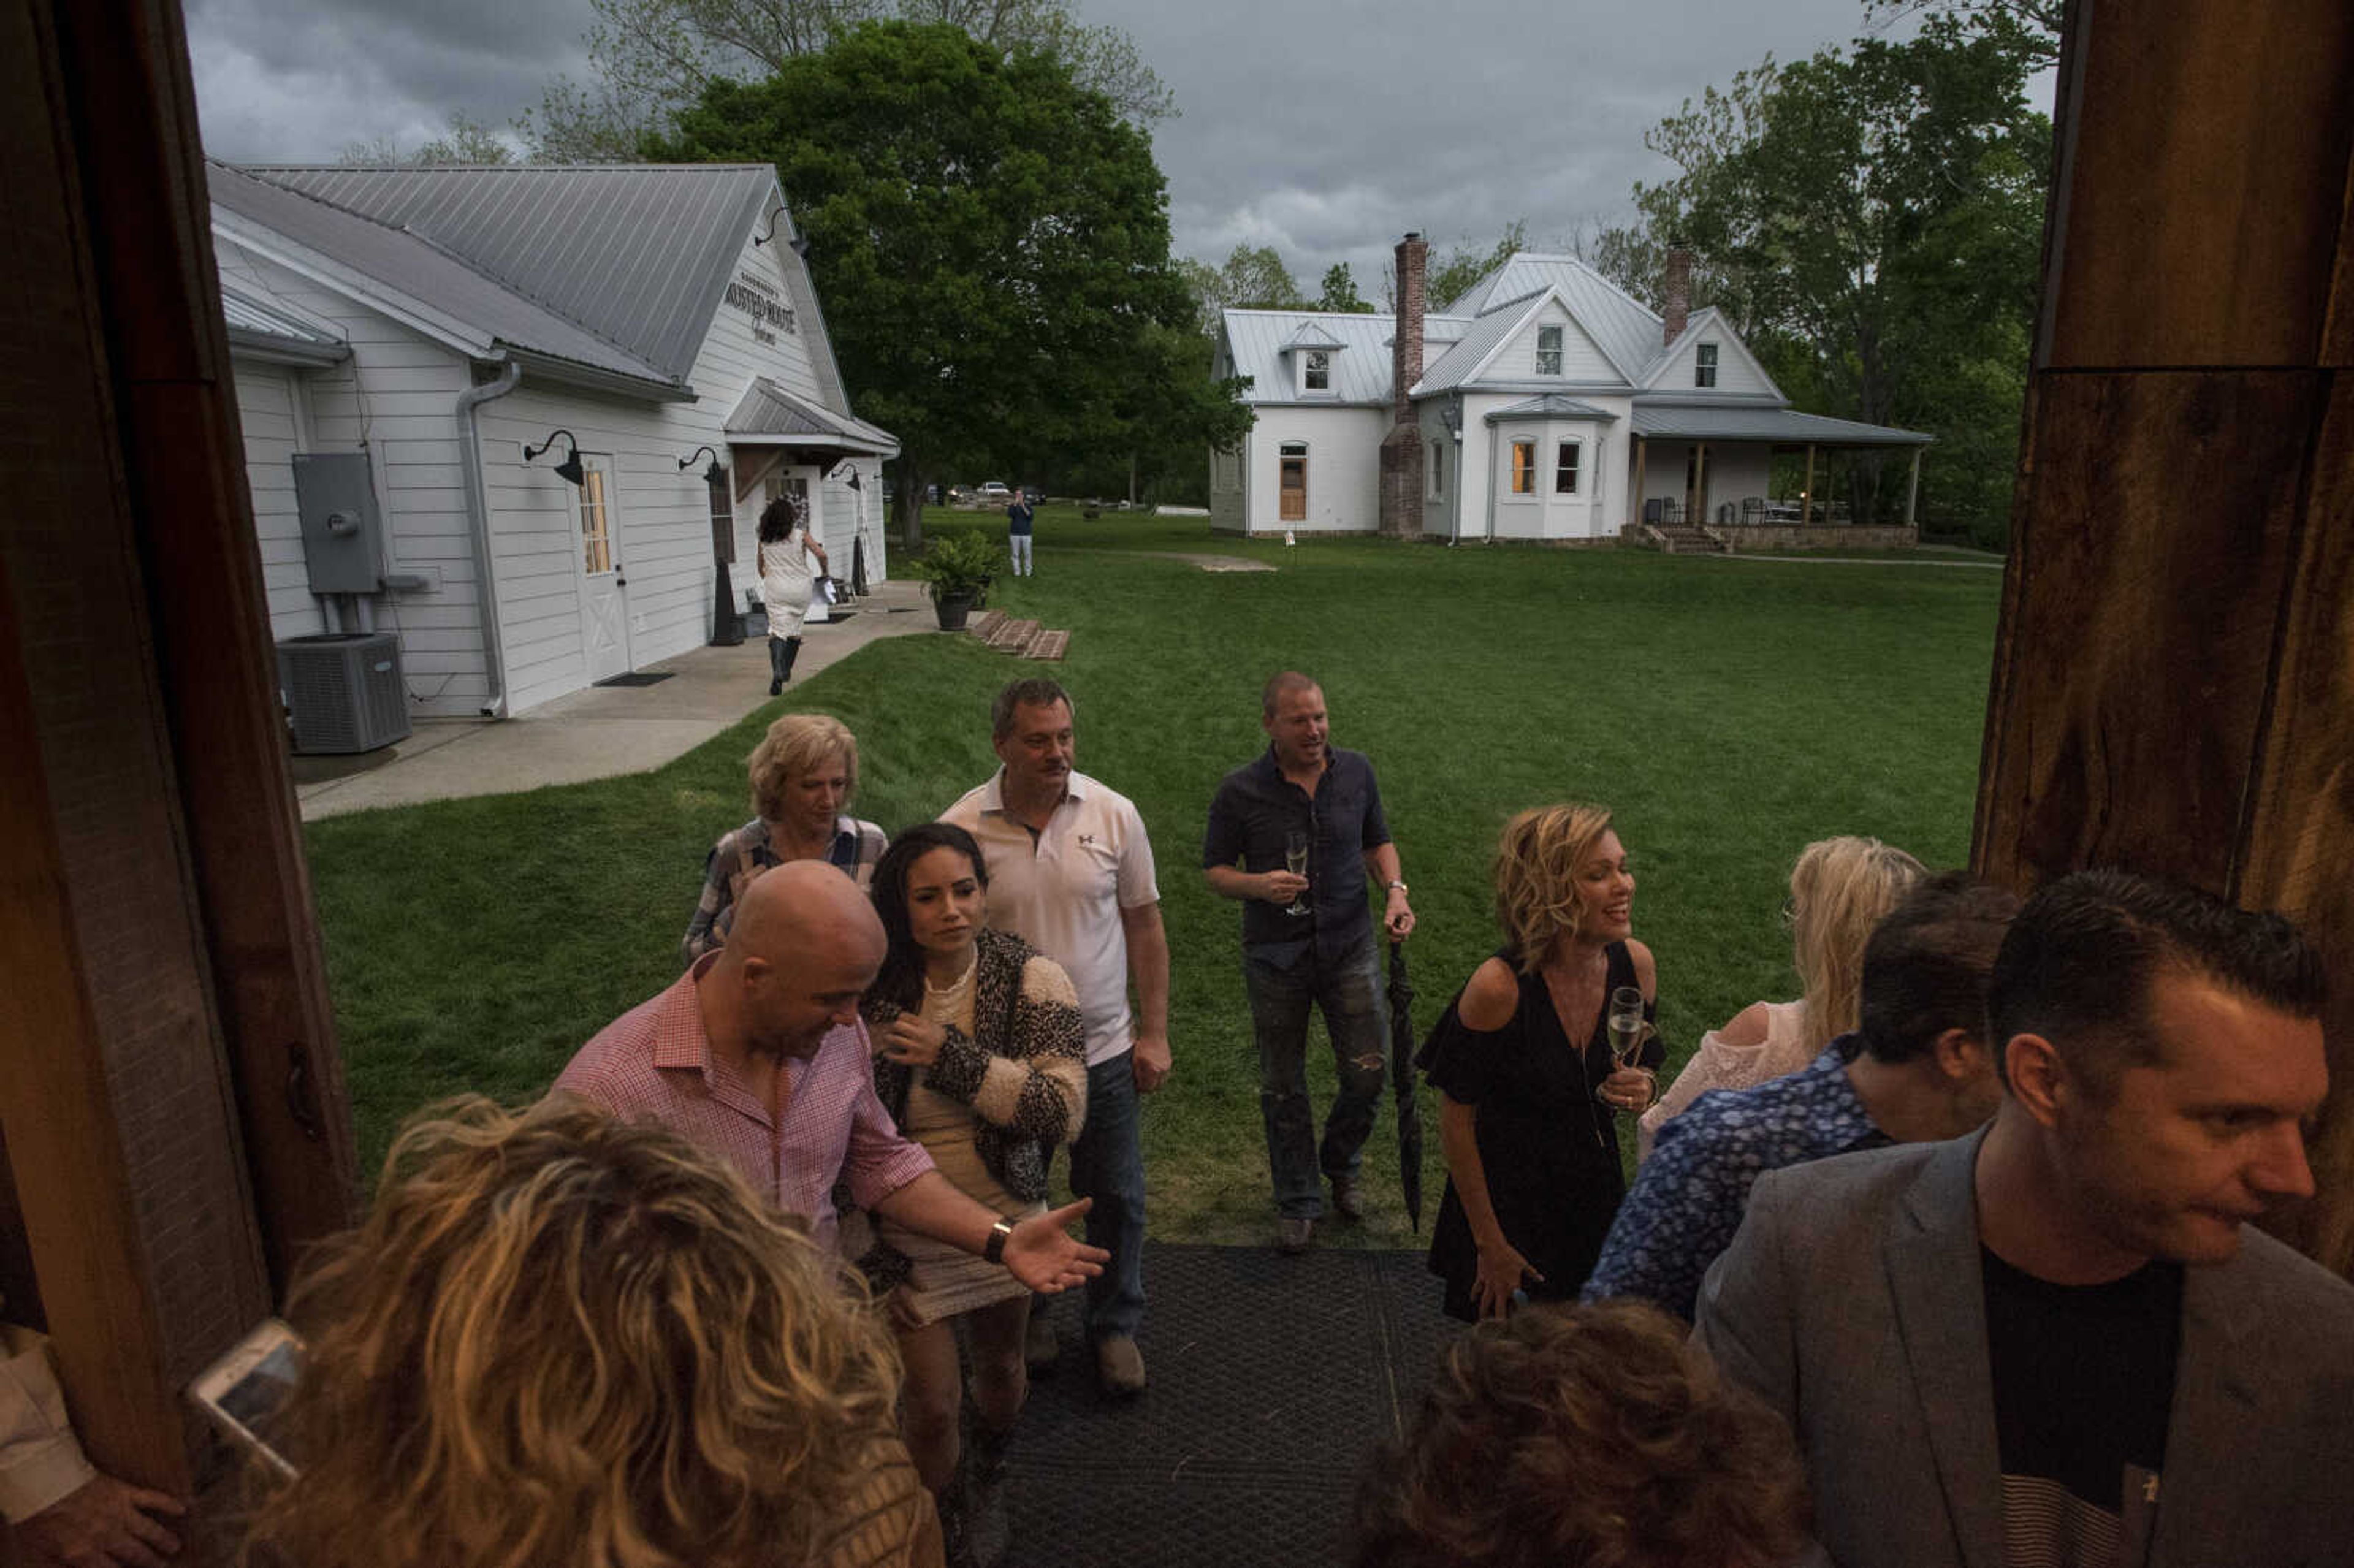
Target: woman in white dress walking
{"type": "Point", "coordinates": [786, 583]}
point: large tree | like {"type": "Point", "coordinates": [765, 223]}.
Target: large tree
{"type": "Point", "coordinates": [1252, 277]}
{"type": "Point", "coordinates": [651, 59]}
{"type": "Point", "coordinates": [1869, 219]}
{"type": "Point", "coordinates": [991, 242]}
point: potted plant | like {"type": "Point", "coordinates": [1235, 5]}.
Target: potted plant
{"type": "Point", "coordinates": [957, 569]}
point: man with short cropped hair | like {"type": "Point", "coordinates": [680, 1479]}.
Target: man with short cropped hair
{"type": "Point", "coordinates": [757, 1054]}
{"type": "Point", "coordinates": [1070, 869]}
{"type": "Point", "coordinates": [1309, 941]}
{"type": "Point", "coordinates": [2058, 1341]}
{"type": "Point", "coordinates": [1917, 1069]}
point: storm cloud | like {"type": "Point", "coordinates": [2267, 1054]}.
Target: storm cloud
{"type": "Point", "coordinates": [1324, 129]}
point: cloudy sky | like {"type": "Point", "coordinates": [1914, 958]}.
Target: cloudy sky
{"type": "Point", "coordinates": [1325, 129]}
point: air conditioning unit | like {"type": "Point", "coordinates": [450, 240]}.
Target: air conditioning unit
{"type": "Point", "coordinates": [345, 692]}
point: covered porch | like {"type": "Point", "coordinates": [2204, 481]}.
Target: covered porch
{"type": "Point", "coordinates": [1694, 467]}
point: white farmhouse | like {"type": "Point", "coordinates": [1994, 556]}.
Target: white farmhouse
{"type": "Point", "coordinates": [532, 413]}
{"type": "Point", "coordinates": [1544, 404]}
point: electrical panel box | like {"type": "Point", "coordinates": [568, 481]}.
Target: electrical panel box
{"type": "Point", "coordinates": [342, 533]}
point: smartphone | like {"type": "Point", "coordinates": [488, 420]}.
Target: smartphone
{"type": "Point", "coordinates": [242, 1393]}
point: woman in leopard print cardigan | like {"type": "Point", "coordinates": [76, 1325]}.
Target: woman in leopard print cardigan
{"type": "Point", "coordinates": [982, 1059]}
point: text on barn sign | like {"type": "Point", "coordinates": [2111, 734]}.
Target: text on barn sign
{"type": "Point", "coordinates": [757, 299]}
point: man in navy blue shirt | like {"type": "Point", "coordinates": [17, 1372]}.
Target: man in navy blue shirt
{"type": "Point", "coordinates": [1917, 1070]}
{"type": "Point", "coordinates": [1017, 532]}
{"type": "Point", "coordinates": [1308, 940]}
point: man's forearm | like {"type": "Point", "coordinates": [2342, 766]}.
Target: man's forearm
{"type": "Point", "coordinates": [1231, 882]}
{"type": "Point", "coordinates": [1382, 865]}
{"type": "Point", "coordinates": [1148, 960]}
{"type": "Point", "coordinates": [931, 1205]}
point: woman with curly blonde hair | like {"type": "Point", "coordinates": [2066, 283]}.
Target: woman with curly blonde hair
{"type": "Point", "coordinates": [1839, 889]}
{"type": "Point", "coordinates": [803, 773]}
{"type": "Point", "coordinates": [1587, 1434]}
{"type": "Point", "coordinates": [1529, 1092]}
{"type": "Point", "coordinates": [559, 1340]}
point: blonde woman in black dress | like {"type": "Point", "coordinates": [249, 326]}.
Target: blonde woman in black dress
{"type": "Point", "coordinates": [1530, 1094]}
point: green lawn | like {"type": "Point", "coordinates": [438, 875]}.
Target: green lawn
{"type": "Point", "coordinates": [1729, 711]}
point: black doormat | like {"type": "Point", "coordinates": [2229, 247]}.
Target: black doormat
{"type": "Point", "coordinates": [1271, 1379]}
{"type": "Point", "coordinates": [638, 678]}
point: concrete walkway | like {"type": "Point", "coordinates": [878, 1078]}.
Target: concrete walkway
{"type": "Point", "coordinates": [597, 733]}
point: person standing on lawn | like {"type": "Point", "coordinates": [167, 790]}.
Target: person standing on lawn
{"type": "Point", "coordinates": [1017, 532]}
{"type": "Point", "coordinates": [1070, 871]}
{"type": "Point", "coordinates": [757, 1054]}
{"type": "Point", "coordinates": [1308, 940]}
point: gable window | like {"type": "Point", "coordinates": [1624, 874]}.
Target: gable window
{"type": "Point", "coordinates": [1548, 351]}
{"type": "Point", "coordinates": [1564, 469]}
{"type": "Point", "coordinates": [1704, 366]}
{"type": "Point", "coordinates": [1317, 377]}
{"type": "Point", "coordinates": [1524, 468]}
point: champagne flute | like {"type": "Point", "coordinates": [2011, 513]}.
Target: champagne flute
{"type": "Point", "coordinates": [1628, 1029]}
{"type": "Point", "coordinates": [1295, 861]}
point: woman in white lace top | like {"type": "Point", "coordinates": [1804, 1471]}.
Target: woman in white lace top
{"type": "Point", "coordinates": [1838, 890]}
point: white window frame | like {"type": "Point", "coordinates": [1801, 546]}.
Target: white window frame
{"type": "Point", "coordinates": [1284, 452]}
{"type": "Point", "coordinates": [1704, 360]}
{"type": "Point", "coordinates": [1558, 334]}
{"type": "Point", "coordinates": [1514, 469]}
{"type": "Point", "coordinates": [595, 492]}
{"type": "Point", "coordinates": [1573, 452]}
{"type": "Point", "coordinates": [1315, 362]}
{"type": "Point", "coordinates": [1438, 469]}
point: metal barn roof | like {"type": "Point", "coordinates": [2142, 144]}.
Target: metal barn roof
{"type": "Point", "coordinates": [1622, 327]}
{"type": "Point", "coordinates": [416, 272]}
{"type": "Point", "coordinates": [1480, 340]}
{"type": "Point", "coordinates": [1689, 421]}
{"type": "Point", "coordinates": [1257, 340]}
{"type": "Point", "coordinates": [770, 416]}
{"type": "Point", "coordinates": [636, 254]}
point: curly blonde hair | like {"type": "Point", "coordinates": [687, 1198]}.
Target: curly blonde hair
{"type": "Point", "coordinates": [1839, 889]}
{"type": "Point", "coordinates": [796, 745]}
{"type": "Point", "coordinates": [1537, 900]}
{"type": "Point", "coordinates": [1592, 1434]}
{"type": "Point", "coordinates": [560, 1338]}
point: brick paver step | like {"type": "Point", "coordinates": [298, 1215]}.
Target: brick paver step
{"type": "Point", "coordinates": [986, 627]}
{"type": "Point", "coordinates": [1049, 645]}
{"type": "Point", "coordinates": [1014, 636]}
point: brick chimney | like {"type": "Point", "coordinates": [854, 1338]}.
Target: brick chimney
{"type": "Point", "coordinates": [1678, 303]}
{"type": "Point", "coordinates": [1401, 491]}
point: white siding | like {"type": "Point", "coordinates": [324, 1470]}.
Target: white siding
{"type": "Point", "coordinates": [1229, 479]}
{"type": "Point", "coordinates": [1737, 473]}
{"type": "Point", "coordinates": [396, 400]}
{"type": "Point", "coordinates": [1581, 358]}
{"type": "Point", "coordinates": [1738, 374]}
{"type": "Point", "coordinates": [273, 434]}
{"type": "Point", "coordinates": [1344, 467]}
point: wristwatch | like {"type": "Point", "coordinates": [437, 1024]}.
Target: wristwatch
{"type": "Point", "coordinates": [993, 1250]}
{"type": "Point", "coordinates": [1394, 885]}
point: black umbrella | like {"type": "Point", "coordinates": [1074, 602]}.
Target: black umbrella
{"type": "Point", "coordinates": [1409, 1120]}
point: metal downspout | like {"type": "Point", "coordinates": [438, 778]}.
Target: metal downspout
{"type": "Point", "coordinates": [478, 526]}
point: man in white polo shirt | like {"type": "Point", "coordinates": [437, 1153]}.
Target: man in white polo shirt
{"type": "Point", "coordinates": [1070, 869]}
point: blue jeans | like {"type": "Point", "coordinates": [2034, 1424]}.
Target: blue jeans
{"type": "Point", "coordinates": [1017, 546]}
{"type": "Point", "coordinates": [1108, 1165]}
{"type": "Point", "coordinates": [1347, 989]}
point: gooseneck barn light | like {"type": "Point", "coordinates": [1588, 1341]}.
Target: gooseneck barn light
{"type": "Point", "coordinates": [570, 469]}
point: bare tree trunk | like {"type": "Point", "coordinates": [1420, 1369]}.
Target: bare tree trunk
{"type": "Point", "coordinates": [908, 503]}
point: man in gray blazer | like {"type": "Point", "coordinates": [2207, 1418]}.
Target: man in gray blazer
{"type": "Point", "coordinates": [2057, 1341]}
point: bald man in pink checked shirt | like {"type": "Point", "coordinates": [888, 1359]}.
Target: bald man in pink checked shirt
{"type": "Point", "coordinates": [759, 1054]}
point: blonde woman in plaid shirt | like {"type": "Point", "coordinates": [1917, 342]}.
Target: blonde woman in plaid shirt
{"type": "Point", "coordinates": [803, 772]}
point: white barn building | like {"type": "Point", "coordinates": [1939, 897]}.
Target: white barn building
{"type": "Point", "coordinates": [1546, 404]}
{"type": "Point", "coordinates": [402, 336]}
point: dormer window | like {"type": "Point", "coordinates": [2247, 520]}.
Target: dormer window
{"type": "Point", "coordinates": [1704, 366]}
{"type": "Point", "coordinates": [1318, 375]}
{"type": "Point", "coordinates": [1548, 351]}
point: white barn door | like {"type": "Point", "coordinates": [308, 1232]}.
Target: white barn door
{"type": "Point", "coordinates": [604, 586]}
